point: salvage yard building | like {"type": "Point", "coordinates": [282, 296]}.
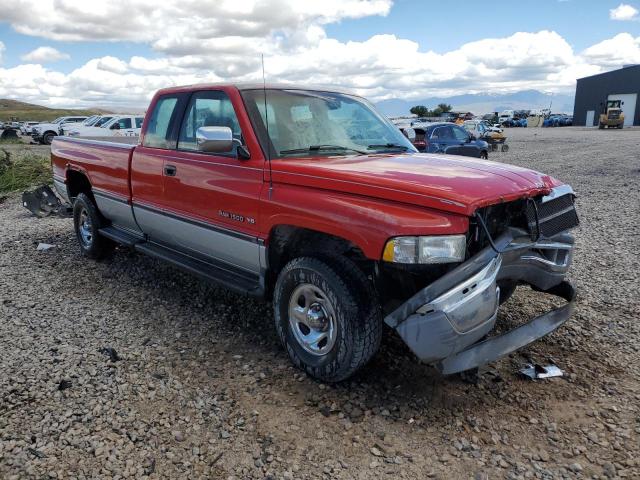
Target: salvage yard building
{"type": "Point", "coordinates": [593, 92]}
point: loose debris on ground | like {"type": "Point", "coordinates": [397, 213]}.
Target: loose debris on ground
{"type": "Point", "coordinates": [202, 389]}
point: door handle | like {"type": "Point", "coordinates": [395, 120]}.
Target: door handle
{"type": "Point", "coordinates": [170, 170]}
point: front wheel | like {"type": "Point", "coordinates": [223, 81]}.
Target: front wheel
{"type": "Point", "coordinates": [47, 139]}
{"type": "Point", "coordinates": [327, 316]}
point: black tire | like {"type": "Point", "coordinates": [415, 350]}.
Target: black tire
{"type": "Point", "coordinates": [601, 127]}
{"type": "Point", "coordinates": [47, 138]}
{"type": "Point", "coordinates": [357, 315]}
{"type": "Point", "coordinates": [620, 126]}
{"type": "Point", "coordinates": [86, 223]}
{"type": "Point", "coordinates": [505, 148]}
{"type": "Point", "coordinates": [484, 155]}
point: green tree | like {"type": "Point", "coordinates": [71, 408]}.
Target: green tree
{"type": "Point", "coordinates": [444, 107]}
{"type": "Point", "coordinates": [420, 110]}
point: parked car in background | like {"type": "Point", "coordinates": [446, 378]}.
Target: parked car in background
{"type": "Point", "coordinates": [119, 126]}
{"type": "Point", "coordinates": [87, 123]}
{"type": "Point", "coordinates": [45, 132]}
{"type": "Point", "coordinates": [444, 137]}
{"type": "Point", "coordinates": [27, 127]}
{"type": "Point", "coordinates": [99, 122]}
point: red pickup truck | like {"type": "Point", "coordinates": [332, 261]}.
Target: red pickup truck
{"type": "Point", "coordinates": [312, 199]}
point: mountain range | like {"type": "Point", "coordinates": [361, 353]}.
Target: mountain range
{"type": "Point", "coordinates": [480, 103]}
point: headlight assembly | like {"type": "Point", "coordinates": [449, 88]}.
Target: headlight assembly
{"type": "Point", "coordinates": [426, 250]}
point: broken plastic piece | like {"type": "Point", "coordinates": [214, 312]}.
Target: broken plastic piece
{"type": "Point", "coordinates": [536, 371]}
{"type": "Point", "coordinates": [43, 202]}
{"type": "Point", "coordinates": [43, 247]}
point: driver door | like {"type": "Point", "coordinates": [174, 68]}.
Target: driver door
{"type": "Point", "coordinates": [213, 198]}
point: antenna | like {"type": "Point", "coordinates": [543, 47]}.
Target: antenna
{"type": "Point", "coordinates": [266, 121]}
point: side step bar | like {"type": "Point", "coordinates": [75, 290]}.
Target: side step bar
{"type": "Point", "coordinates": [121, 236]}
{"type": "Point", "coordinates": [219, 273]}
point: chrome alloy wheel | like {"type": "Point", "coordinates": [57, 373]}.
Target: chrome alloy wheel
{"type": "Point", "coordinates": [312, 319]}
{"type": "Point", "coordinates": [85, 228]}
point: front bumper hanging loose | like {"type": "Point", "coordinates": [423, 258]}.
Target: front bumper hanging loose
{"type": "Point", "coordinates": [446, 322]}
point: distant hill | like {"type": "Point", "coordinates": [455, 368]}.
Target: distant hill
{"type": "Point", "coordinates": [15, 110]}
{"type": "Point", "coordinates": [480, 103]}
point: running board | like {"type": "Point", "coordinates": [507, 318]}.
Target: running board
{"type": "Point", "coordinates": [121, 236]}
{"type": "Point", "coordinates": [216, 272]}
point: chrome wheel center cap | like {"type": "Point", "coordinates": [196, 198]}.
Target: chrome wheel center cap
{"type": "Point", "coordinates": [317, 317]}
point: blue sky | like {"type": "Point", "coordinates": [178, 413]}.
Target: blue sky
{"type": "Point", "coordinates": [444, 25]}
{"type": "Point", "coordinates": [120, 52]}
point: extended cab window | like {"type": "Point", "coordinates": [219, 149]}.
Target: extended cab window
{"type": "Point", "coordinates": [139, 122]}
{"type": "Point", "coordinates": [207, 109]}
{"type": "Point", "coordinates": [157, 134]}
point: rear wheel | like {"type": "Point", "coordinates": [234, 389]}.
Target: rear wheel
{"type": "Point", "coordinates": [327, 316]}
{"type": "Point", "coordinates": [86, 222]}
{"type": "Point", "coordinates": [505, 148]}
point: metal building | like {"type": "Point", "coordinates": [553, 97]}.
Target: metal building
{"type": "Point", "coordinates": [593, 92]}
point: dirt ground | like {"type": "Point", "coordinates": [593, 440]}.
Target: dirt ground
{"type": "Point", "coordinates": [197, 385]}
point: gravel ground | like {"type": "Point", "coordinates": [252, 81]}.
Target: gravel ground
{"type": "Point", "coordinates": [128, 368]}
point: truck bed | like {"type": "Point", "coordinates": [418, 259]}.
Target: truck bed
{"type": "Point", "coordinates": [104, 160]}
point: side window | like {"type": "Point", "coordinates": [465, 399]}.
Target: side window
{"type": "Point", "coordinates": [207, 109]}
{"type": "Point", "coordinates": [139, 122]}
{"type": "Point", "coordinates": [158, 129]}
{"type": "Point", "coordinates": [460, 134]}
{"type": "Point", "coordinates": [442, 133]}
{"type": "Point", "coordinates": [122, 123]}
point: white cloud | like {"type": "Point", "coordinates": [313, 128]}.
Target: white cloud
{"type": "Point", "coordinates": [616, 51]}
{"type": "Point", "coordinates": [623, 12]}
{"type": "Point", "coordinates": [44, 55]}
{"type": "Point", "coordinates": [2, 48]}
{"type": "Point", "coordinates": [221, 40]}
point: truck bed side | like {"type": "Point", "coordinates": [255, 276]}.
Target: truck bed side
{"type": "Point", "coordinates": [105, 164]}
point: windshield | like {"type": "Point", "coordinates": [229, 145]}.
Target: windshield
{"type": "Point", "coordinates": [91, 120]}
{"type": "Point", "coordinates": [321, 123]}
{"type": "Point", "coordinates": [58, 120]}
{"type": "Point", "coordinates": [102, 121]}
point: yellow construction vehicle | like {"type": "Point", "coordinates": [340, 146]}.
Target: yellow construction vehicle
{"type": "Point", "coordinates": [612, 115]}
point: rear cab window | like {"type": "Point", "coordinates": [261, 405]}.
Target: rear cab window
{"type": "Point", "coordinates": [158, 134]}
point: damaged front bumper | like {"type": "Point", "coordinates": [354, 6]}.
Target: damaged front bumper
{"type": "Point", "coordinates": [445, 322]}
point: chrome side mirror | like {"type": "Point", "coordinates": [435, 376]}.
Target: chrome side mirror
{"type": "Point", "coordinates": [214, 139]}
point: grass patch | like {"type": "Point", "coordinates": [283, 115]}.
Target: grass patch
{"type": "Point", "coordinates": [23, 170]}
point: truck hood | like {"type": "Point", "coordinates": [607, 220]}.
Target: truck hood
{"type": "Point", "coordinates": [445, 182]}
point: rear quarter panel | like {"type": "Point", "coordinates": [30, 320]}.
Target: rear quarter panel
{"type": "Point", "coordinates": [106, 164]}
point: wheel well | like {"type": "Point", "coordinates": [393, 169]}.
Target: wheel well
{"type": "Point", "coordinates": [287, 242]}
{"type": "Point", "coordinates": [77, 183]}
{"type": "Point", "coordinates": [49, 131]}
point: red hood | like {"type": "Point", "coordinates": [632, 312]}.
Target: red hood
{"type": "Point", "coordinates": [444, 182]}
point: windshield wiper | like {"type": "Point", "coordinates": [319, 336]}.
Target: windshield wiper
{"type": "Point", "coordinates": [317, 148]}
{"type": "Point", "coordinates": [387, 146]}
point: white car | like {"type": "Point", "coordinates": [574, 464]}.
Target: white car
{"type": "Point", "coordinates": [78, 130]}
{"type": "Point", "coordinates": [65, 126]}
{"type": "Point", "coordinates": [118, 126]}
{"type": "Point", "coordinates": [27, 127]}
{"type": "Point", "coordinates": [44, 132]}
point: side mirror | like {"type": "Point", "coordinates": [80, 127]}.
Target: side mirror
{"type": "Point", "coordinates": [214, 139]}
{"type": "Point", "coordinates": [410, 133]}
